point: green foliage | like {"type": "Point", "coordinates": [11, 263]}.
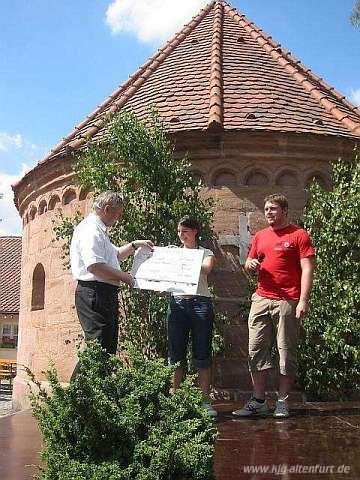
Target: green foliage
{"type": "Point", "coordinates": [355, 15]}
{"type": "Point", "coordinates": [137, 160]}
{"type": "Point", "coordinates": [119, 422]}
{"type": "Point", "coordinates": [330, 349]}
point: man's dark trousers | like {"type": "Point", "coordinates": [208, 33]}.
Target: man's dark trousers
{"type": "Point", "coordinates": [97, 306]}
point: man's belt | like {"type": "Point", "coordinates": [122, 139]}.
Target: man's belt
{"type": "Point", "coordinates": [94, 284]}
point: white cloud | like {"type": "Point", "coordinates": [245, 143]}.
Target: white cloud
{"type": "Point", "coordinates": [9, 141]}
{"type": "Point", "coordinates": [16, 150]}
{"type": "Point", "coordinates": [17, 156]}
{"type": "Point", "coordinates": [355, 96]}
{"type": "Point", "coordinates": [151, 20]}
{"type": "Point", "coordinates": [10, 220]}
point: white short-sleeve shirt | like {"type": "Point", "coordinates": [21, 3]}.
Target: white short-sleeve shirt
{"type": "Point", "coordinates": [90, 244]}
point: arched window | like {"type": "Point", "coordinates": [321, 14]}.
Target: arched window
{"type": "Point", "coordinates": [38, 288]}
{"type": "Point", "coordinates": [69, 196]}
{"type": "Point", "coordinates": [32, 213]}
{"type": "Point", "coordinates": [54, 200]}
{"type": "Point", "coordinates": [256, 178]}
{"type": "Point", "coordinates": [224, 178]}
{"type": "Point", "coordinates": [84, 192]}
{"type": "Point", "coordinates": [318, 178]}
{"type": "Point", "coordinates": [197, 176]}
{"type": "Point", "coordinates": [287, 179]}
{"type": "Point", "coordinates": [42, 207]}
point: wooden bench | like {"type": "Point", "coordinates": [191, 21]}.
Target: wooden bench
{"type": "Point", "coordinates": [7, 372]}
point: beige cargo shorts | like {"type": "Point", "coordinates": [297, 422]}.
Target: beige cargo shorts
{"type": "Point", "coordinates": [273, 321]}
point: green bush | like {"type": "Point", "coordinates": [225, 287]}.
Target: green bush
{"type": "Point", "coordinates": [119, 422]}
{"type": "Point", "coordinates": [330, 348]}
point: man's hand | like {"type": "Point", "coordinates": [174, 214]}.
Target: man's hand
{"type": "Point", "coordinates": [128, 279]}
{"type": "Point", "coordinates": [129, 249]}
{"type": "Point", "coordinates": [302, 308]}
{"type": "Point", "coordinates": [143, 243]}
{"type": "Point", "coordinates": [252, 264]}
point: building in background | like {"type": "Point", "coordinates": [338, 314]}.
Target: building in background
{"type": "Point", "coordinates": [10, 268]}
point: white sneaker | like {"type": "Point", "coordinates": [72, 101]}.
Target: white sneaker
{"type": "Point", "coordinates": [281, 409]}
{"type": "Point", "coordinates": [210, 410]}
{"type": "Point", "coordinates": [252, 409]}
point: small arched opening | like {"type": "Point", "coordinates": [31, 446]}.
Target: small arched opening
{"type": "Point", "coordinates": [318, 178]}
{"type": "Point", "coordinates": [197, 176]}
{"type": "Point", "coordinates": [84, 193]}
{"type": "Point", "coordinates": [256, 178]}
{"type": "Point", "coordinates": [32, 212]}
{"type": "Point", "coordinates": [42, 207]}
{"type": "Point", "coordinates": [224, 178]}
{"type": "Point", "coordinates": [38, 288]}
{"type": "Point", "coordinates": [287, 178]}
{"type": "Point", "coordinates": [69, 196]}
{"type": "Point", "coordinates": [54, 200]}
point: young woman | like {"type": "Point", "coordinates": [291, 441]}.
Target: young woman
{"type": "Point", "coordinates": [192, 313]}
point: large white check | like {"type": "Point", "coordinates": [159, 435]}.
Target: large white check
{"type": "Point", "coordinates": [168, 269]}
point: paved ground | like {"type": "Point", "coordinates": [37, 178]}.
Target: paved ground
{"type": "Point", "coordinates": [5, 399]}
{"type": "Point", "coordinates": [321, 441]}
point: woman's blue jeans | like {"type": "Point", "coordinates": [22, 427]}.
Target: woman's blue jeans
{"type": "Point", "coordinates": [195, 316]}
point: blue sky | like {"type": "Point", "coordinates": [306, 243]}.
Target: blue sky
{"type": "Point", "coordinates": [60, 59]}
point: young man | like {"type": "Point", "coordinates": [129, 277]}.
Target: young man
{"type": "Point", "coordinates": [95, 266]}
{"type": "Point", "coordinates": [283, 257]}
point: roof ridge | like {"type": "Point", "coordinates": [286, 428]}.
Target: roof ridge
{"type": "Point", "coordinates": [272, 47]}
{"type": "Point", "coordinates": [216, 107]}
{"type": "Point", "coordinates": [131, 86]}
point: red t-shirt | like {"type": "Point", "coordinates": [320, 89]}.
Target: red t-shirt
{"type": "Point", "coordinates": [280, 252]}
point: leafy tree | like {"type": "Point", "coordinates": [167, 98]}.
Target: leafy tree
{"type": "Point", "coordinates": [330, 350]}
{"type": "Point", "coordinates": [137, 159]}
{"type": "Point", "coordinates": [119, 422]}
{"type": "Point", "coordinates": [355, 16]}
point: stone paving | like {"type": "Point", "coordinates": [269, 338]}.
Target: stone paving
{"type": "Point", "coordinates": [5, 399]}
{"type": "Point", "coordinates": [320, 441]}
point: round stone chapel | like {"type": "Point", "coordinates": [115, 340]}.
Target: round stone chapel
{"type": "Point", "coordinates": [253, 120]}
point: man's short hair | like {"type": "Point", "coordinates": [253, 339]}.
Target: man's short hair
{"type": "Point", "coordinates": [279, 199]}
{"type": "Point", "coordinates": [113, 199]}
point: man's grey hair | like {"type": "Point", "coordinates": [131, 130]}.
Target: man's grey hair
{"type": "Point", "coordinates": [113, 199]}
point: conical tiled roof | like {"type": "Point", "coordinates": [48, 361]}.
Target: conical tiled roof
{"type": "Point", "coordinates": [222, 72]}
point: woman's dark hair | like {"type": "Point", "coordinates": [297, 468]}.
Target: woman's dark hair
{"type": "Point", "coordinates": [190, 222]}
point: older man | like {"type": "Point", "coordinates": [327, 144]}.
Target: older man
{"type": "Point", "coordinates": [95, 266]}
{"type": "Point", "coordinates": [283, 256]}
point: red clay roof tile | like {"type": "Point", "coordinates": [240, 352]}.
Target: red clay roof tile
{"type": "Point", "coordinates": [215, 72]}
{"type": "Point", "coordinates": [10, 267]}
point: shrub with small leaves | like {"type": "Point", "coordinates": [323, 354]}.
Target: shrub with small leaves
{"type": "Point", "coordinates": [330, 348]}
{"type": "Point", "coordinates": [118, 421]}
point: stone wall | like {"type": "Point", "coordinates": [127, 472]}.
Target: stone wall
{"type": "Point", "coordinates": [49, 331]}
